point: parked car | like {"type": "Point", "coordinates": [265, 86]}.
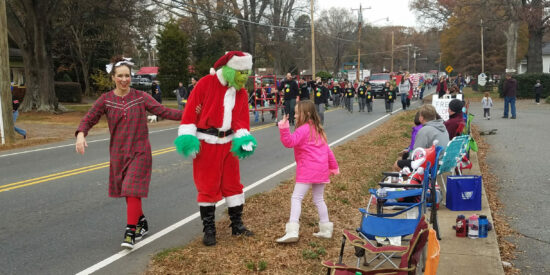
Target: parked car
{"type": "Point", "coordinates": [135, 81]}
{"type": "Point", "coordinates": [377, 82]}
{"type": "Point", "coordinates": [145, 82]}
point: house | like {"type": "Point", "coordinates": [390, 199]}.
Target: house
{"type": "Point", "coordinates": [17, 73]}
{"type": "Point", "coordinates": [522, 66]}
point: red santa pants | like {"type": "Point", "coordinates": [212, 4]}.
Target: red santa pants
{"type": "Point", "coordinates": [216, 173]}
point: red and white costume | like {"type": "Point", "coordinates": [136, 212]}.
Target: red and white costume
{"type": "Point", "coordinates": [215, 168]}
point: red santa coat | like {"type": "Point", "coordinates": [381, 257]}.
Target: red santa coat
{"type": "Point", "coordinates": [215, 168]}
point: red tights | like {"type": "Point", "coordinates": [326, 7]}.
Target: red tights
{"type": "Point", "coordinates": [133, 210]}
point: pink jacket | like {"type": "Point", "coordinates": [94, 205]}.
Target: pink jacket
{"type": "Point", "coordinates": [315, 161]}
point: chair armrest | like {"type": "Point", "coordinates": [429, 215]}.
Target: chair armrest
{"type": "Point", "coordinates": [362, 243]}
{"type": "Point", "coordinates": [399, 185]}
{"type": "Point", "coordinates": [391, 174]}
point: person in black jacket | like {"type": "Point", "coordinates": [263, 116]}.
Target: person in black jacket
{"type": "Point", "coordinates": [190, 87]}
{"type": "Point", "coordinates": [304, 89]}
{"type": "Point", "coordinates": [336, 91]}
{"type": "Point", "coordinates": [370, 98]}
{"type": "Point", "coordinates": [349, 94]}
{"type": "Point", "coordinates": [289, 87]}
{"type": "Point", "coordinates": [538, 91]}
{"type": "Point", "coordinates": [362, 96]}
{"type": "Point", "coordinates": [155, 92]}
{"type": "Point", "coordinates": [181, 95]}
{"type": "Point", "coordinates": [389, 96]}
{"type": "Point", "coordinates": [321, 95]}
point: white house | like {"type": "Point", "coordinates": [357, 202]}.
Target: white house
{"type": "Point", "coordinates": [522, 66]}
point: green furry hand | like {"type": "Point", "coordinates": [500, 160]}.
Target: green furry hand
{"type": "Point", "coordinates": [244, 146]}
{"type": "Point", "coordinates": [187, 145]}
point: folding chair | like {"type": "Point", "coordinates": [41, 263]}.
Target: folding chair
{"type": "Point", "coordinates": [409, 259]}
{"type": "Point", "coordinates": [452, 158]}
{"type": "Point", "coordinates": [390, 225]}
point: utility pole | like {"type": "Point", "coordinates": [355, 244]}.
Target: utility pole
{"type": "Point", "coordinates": [482, 53]}
{"type": "Point", "coordinates": [408, 58]}
{"type": "Point", "coordinates": [392, 45]}
{"type": "Point", "coordinates": [312, 45]}
{"type": "Point", "coordinates": [7, 133]}
{"type": "Point", "coordinates": [360, 21]}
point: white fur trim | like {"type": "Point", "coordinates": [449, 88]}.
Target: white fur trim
{"type": "Point", "coordinates": [212, 71]}
{"type": "Point", "coordinates": [207, 203]}
{"type": "Point", "coordinates": [220, 77]}
{"type": "Point", "coordinates": [241, 133]}
{"type": "Point", "coordinates": [235, 200]}
{"type": "Point", "coordinates": [228, 104]}
{"type": "Point", "coordinates": [240, 62]}
{"type": "Point", "coordinates": [187, 129]}
{"type": "Point", "coordinates": [214, 139]}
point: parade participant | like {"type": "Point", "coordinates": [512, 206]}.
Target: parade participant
{"type": "Point", "coordinates": [336, 91]}
{"type": "Point", "coordinates": [349, 95]}
{"type": "Point", "coordinates": [321, 99]}
{"type": "Point", "coordinates": [216, 137]}
{"type": "Point", "coordinates": [130, 152]}
{"type": "Point", "coordinates": [290, 91]}
{"type": "Point", "coordinates": [15, 105]}
{"type": "Point", "coordinates": [304, 89]}
{"type": "Point", "coordinates": [441, 86]}
{"type": "Point", "coordinates": [404, 88]}
{"type": "Point", "coordinates": [370, 98]}
{"type": "Point", "coordinates": [315, 163]}
{"type": "Point", "coordinates": [389, 96]}
{"type": "Point", "coordinates": [362, 96]}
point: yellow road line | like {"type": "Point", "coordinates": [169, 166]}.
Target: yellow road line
{"type": "Point", "coordinates": [86, 169]}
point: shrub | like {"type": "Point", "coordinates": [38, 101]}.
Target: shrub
{"type": "Point", "coordinates": [68, 91]}
{"type": "Point", "coordinates": [547, 100]}
{"type": "Point", "coordinates": [102, 81]}
{"type": "Point", "coordinates": [526, 83]}
{"type": "Point", "coordinates": [323, 75]}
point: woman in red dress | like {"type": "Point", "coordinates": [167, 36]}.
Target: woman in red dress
{"type": "Point", "coordinates": [130, 151]}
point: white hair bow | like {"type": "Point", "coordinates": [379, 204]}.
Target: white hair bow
{"type": "Point", "coordinates": [126, 61]}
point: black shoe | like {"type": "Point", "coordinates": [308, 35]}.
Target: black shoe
{"type": "Point", "coordinates": [513, 117]}
{"type": "Point", "coordinates": [237, 226]}
{"type": "Point", "coordinates": [129, 237]}
{"type": "Point", "coordinates": [504, 116]}
{"type": "Point", "coordinates": [208, 215]}
{"type": "Point", "coordinates": [142, 228]}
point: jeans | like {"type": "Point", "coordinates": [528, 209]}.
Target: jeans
{"type": "Point", "coordinates": [487, 112]}
{"type": "Point", "coordinates": [321, 111]}
{"type": "Point", "coordinates": [404, 101]}
{"type": "Point", "coordinates": [369, 106]}
{"type": "Point", "coordinates": [537, 98]}
{"type": "Point", "coordinates": [512, 101]}
{"type": "Point", "coordinates": [362, 102]}
{"type": "Point", "coordinates": [256, 113]}
{"type": "Point", "coordinates": [389, 107]}
{"type": "Point", "coordinates": [18, 130]}
{"type": "Point", "coordinates": [337, 100]}
{"type": "Point", "coordinates": [289, 109]}
{"type": "Point", "coordinates": [422, 92]}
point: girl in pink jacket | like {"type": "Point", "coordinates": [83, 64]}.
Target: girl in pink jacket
{"type": "Point", "coordinates": [315, 162]}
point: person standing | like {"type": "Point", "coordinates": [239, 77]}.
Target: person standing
{"type": "Point", "coordinates": [362, 96]}
{"type": "Point", "coordinates": [155, 92]}
{"type": "Point", "coordinates": [336, 91]}
{"type": "Point", "coordinates": [315, 164]}
{"type": "Point", "coordinates": [304, 89]}
{"type": "Point", "coordinates": [389, 96]}
{"type": "Point", "coordinates": [538, 91]}
{"type": "Point", "coordinates": [404, 88]}
{"type": "Point", "coordinates": [460, 82]}
{"type": "Point", "coordinates": [487, 104]}
{"type": "Point", "coordinates": [370, 98]}
{"type": "Point", "coordinates": [321, 99]}
{"type": "Point", "coordinates": [441, 86]}
{"type": "Point", "coordinates": [181, 95]}
{"type": "Point", "coordinates": [15, 105]}
{"type": "Point", "coordinates": [130, 151]}
{"type": "Point", "coordinates": [510, 90]}
{"type": "Point", "coordinates": [290, 91]}
{"type": "Point", "coordinates": [349, 95]}
{"type": "Point", "coordinates": [190, 87]}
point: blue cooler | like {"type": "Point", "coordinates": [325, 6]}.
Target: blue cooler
{"type": "Point", "coordinates": [464, 193]}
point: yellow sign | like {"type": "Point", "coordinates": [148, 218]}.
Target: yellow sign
{"type": "Point", "coordinates": [449, 69]}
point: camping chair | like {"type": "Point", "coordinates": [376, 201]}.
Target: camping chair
{"type": "Point", "coordinates": [452, 158]}
{"type": "Point", "coordinates": [390, 225]}
{"type": "Point", "coordinates": [409, 259]}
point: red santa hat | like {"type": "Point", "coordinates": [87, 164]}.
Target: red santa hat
{"type": "Point", "coordinates": [234, 59]}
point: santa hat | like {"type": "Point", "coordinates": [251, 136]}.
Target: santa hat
{"type": "Point", "coordinates": [234, 59]}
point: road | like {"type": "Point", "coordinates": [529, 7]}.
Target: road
{"type": "Point", "coordinates": [56, 216]}
{"type": "Point", "coordinates": [518, 156]}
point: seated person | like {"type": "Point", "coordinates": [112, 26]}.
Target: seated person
{"type": "Point", "coordinates": [418, 125]}
{"type": "Point", "coordinates": [433, 129]}
{"type": "Point", "coordinates": [455, 117]}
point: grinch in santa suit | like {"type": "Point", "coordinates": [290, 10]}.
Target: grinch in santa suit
{"type": "Point", "coordinates": [214, 130]}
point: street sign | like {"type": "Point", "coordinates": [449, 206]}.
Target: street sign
{"type": "Point", "coordinates": [449, 69]}
{"type": "Point", "coordinates": [482, 79]}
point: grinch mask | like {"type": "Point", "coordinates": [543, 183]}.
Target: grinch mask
{"type": "Point", "coordinates": [235, 78]}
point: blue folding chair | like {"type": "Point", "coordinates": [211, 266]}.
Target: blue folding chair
{"type": "Point", "coordinates": [390, 225]}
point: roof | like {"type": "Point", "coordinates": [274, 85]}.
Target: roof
{"type": "Point", "coordinates": [148, 70]}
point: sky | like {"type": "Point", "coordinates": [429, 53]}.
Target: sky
{"type": "Point", "coordinates": [398, 11]}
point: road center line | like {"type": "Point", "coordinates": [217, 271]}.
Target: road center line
{"type": "Point", "coordinates": [195, 215]}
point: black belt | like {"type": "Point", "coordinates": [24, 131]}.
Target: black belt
{"type": "Point", "coordinates": [215, 132]}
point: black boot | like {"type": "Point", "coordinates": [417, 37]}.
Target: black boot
{"type": "Point", "coordinates": [208, 215]}
{"type": "Point", "coordinates": [237, 226]}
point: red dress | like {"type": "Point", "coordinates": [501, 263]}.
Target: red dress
{"type": "Point", "coordinates": [130, 151]}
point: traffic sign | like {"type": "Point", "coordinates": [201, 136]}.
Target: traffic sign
{"type": "Point", "coordinates": [449, 69]}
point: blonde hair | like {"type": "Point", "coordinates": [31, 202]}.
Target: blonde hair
{"type": "Point", "coordinates": [307, 114]}
{"type": "Point", "coordinates": [428, 112]}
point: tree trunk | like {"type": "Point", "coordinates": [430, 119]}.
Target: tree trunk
{"type": "Point", "coordinates": [5, 92]}
{"type": "Point", "coordinates": [511, 46]}
{"type": "Point", "coordinates": [534, 52]}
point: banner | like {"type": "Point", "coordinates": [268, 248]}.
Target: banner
{"type": "Point", "coordinates": [442, 105]}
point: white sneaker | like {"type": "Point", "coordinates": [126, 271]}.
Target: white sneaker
{"type": "Point", "coordinates": [292, 231]}
{"type": "Point", "coordinates": [325, 230]}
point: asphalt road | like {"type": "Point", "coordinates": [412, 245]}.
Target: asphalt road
{"type": "Point", "coordinates": [518, 155]}
{"type": "Point", "coordinates": [56, 217]}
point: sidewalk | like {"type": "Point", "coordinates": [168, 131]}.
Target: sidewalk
{"type": "Point", "coordinates": [465, 255]}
